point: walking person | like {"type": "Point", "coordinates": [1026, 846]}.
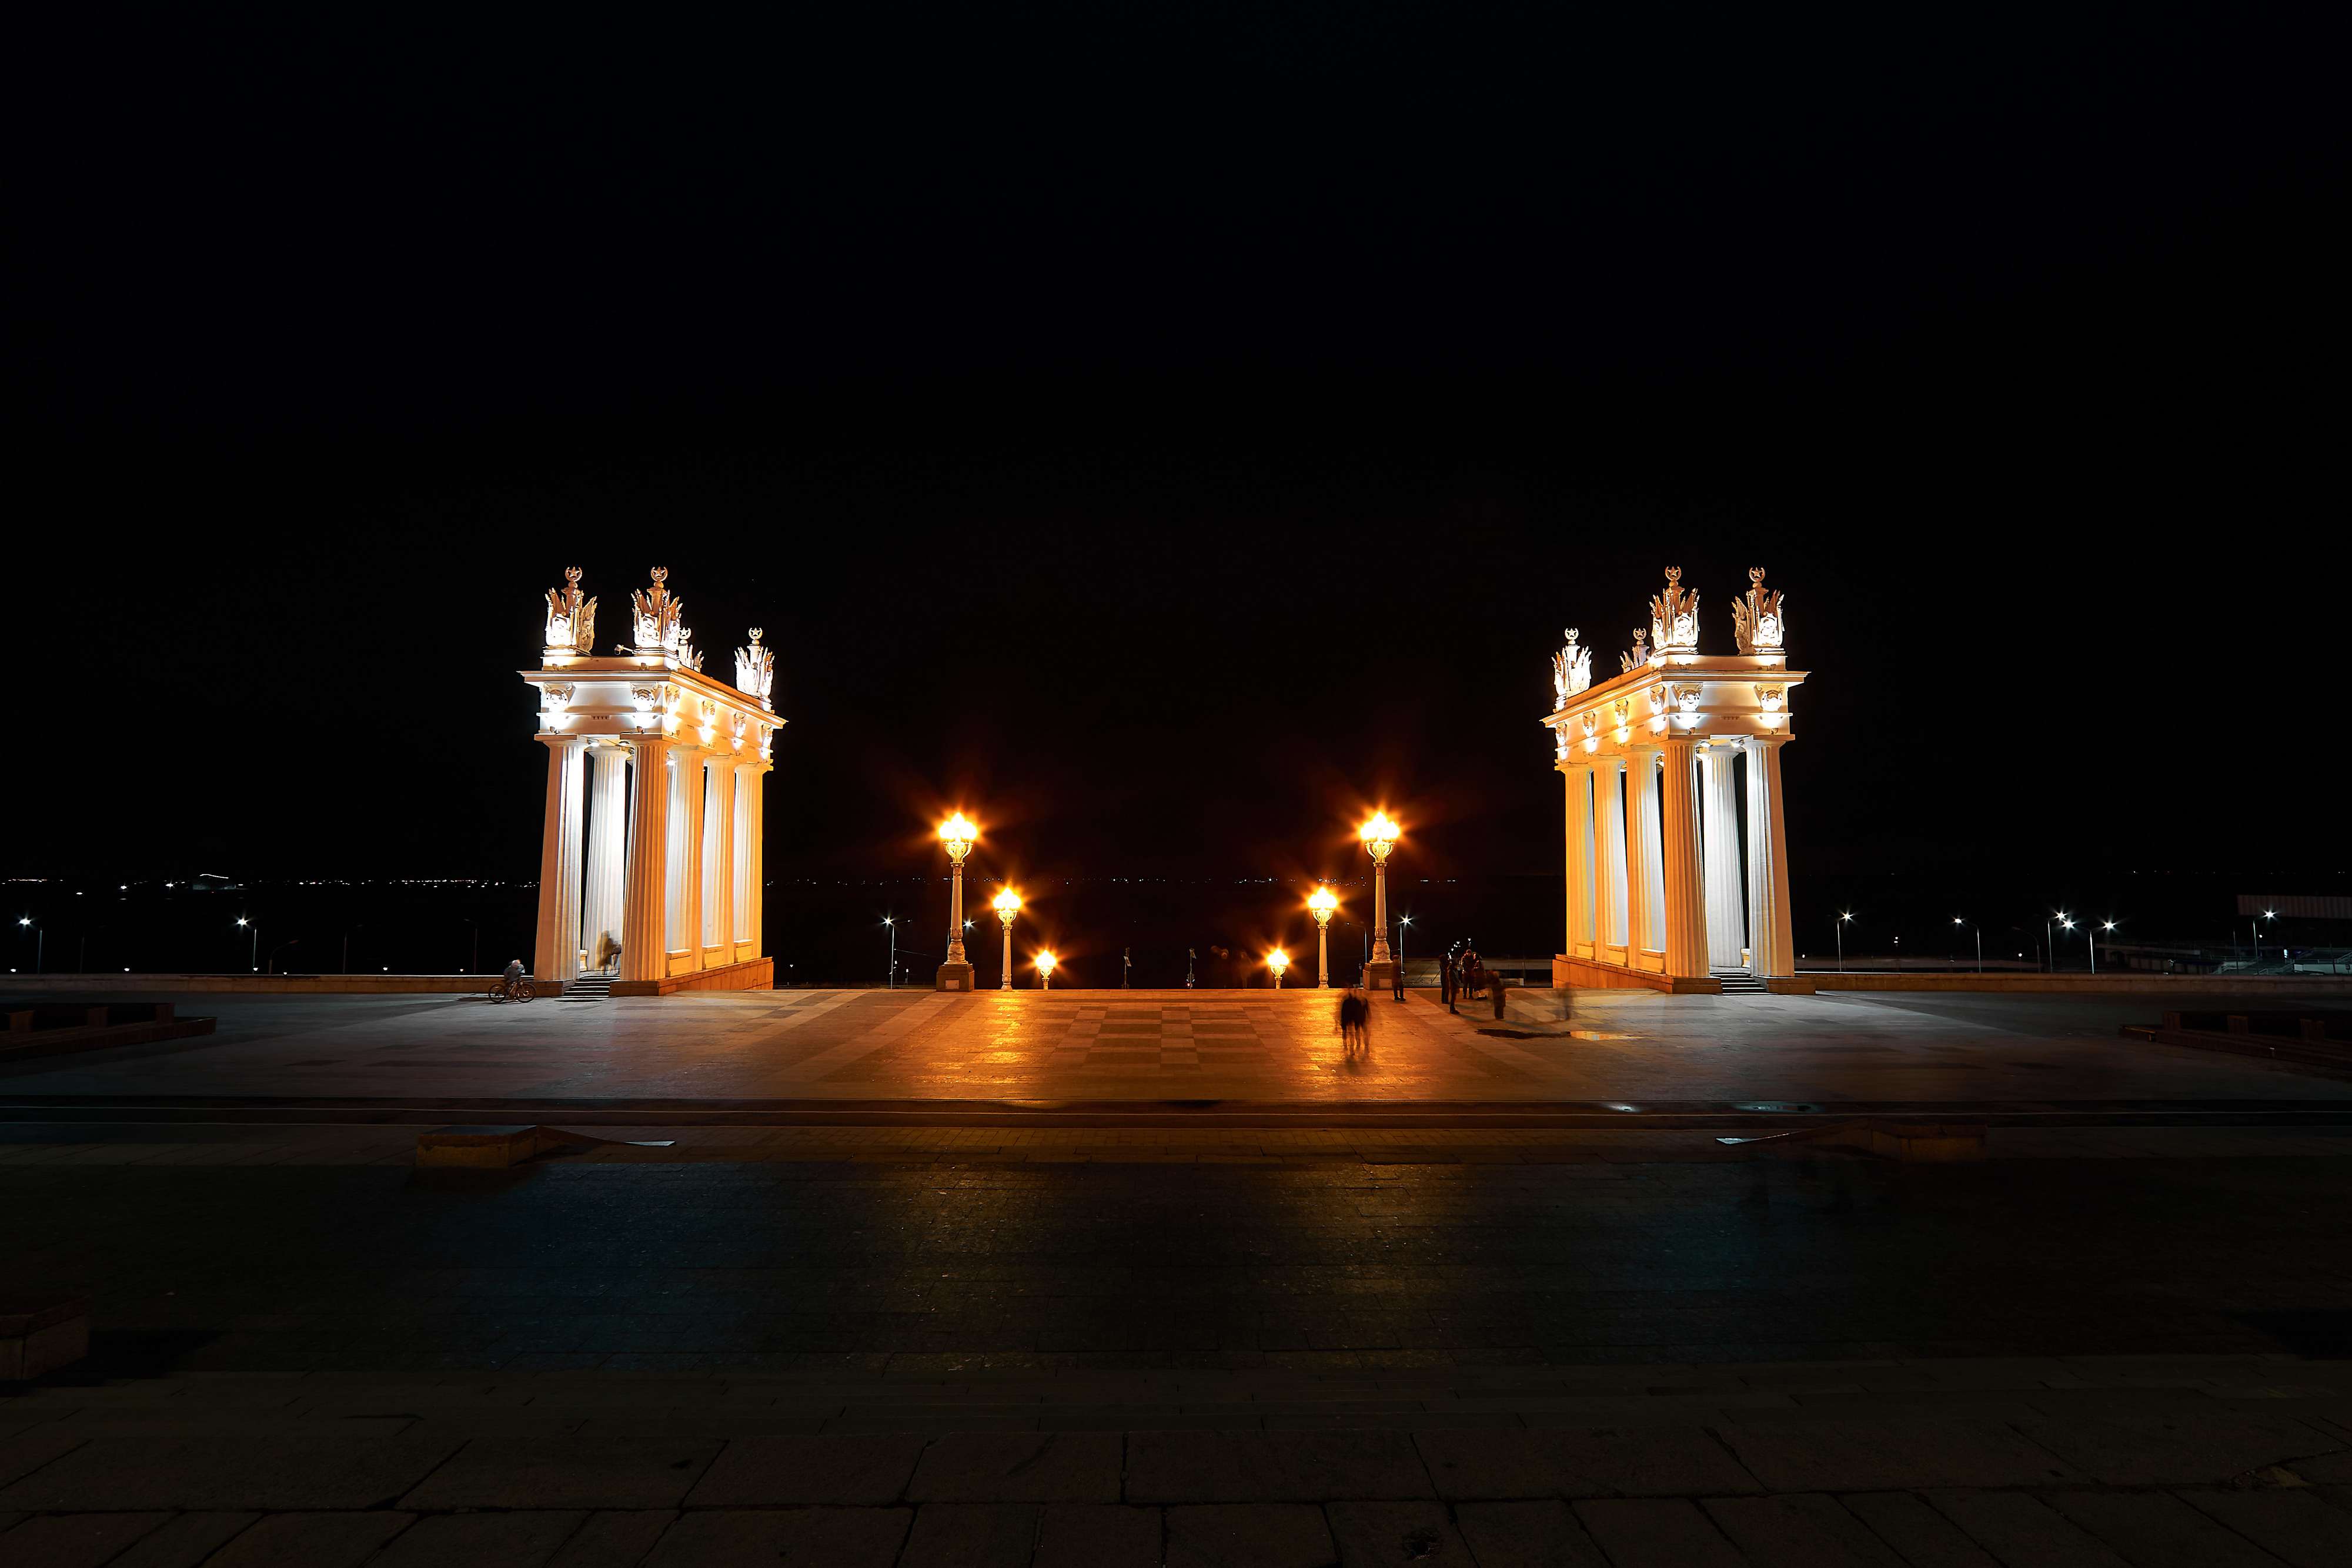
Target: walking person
{"type": "Point", "coordinates": [1355, 1026]}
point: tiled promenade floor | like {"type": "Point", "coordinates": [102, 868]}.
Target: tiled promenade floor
{"type": "Point", "coordinates": [2146, 1463]}
{"type": "Point", "coordinates": [1146, 1046]}
{"type": "Point", "coordinates": [1471, 1345]}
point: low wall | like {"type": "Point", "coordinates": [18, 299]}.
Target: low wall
{"type": "Point", "coordinates": [754, 975]}
{"type": "Point", "coordinates": [2134, 981]}
{"type": "Point", "coordinates": [1589, 974]}
{"type": "Point", "coordinates": [249, 984]}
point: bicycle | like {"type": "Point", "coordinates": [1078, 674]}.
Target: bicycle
{"type": "Point", "coordinates": [504, 991]}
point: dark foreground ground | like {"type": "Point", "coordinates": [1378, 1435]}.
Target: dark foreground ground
{"type": "Point", "coordinates": [785, 1265]}
{"type": "Point", "coordinates": [2102, 1346]}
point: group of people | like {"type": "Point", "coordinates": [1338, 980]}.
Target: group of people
{"type": "Point", "coordinates": [1465, 973]}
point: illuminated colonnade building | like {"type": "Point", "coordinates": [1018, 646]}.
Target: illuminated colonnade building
{"type": "Point", "coordinates": [1655, 759]}
{"type": "Point", "coordinates": [662, 856]}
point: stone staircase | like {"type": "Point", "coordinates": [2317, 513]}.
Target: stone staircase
{"type": "Point", "coordinates": [1741, 983]}
{"type": "Point", "coordinates": [588, 988]}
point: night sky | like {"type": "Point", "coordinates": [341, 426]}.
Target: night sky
{"type": "Point", "coordinates": [1165, 431]}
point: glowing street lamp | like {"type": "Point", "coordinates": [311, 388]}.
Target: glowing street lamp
{"type": "Point", "coordinates": [891, 921]}
{"type": "Point", "coordinates": [1322, 903]}
{"type": "Point", "coordinates": [1979, 932]}
{"type": "Point", "coordinates": [254, 957]}
{"type": "Point", "coordinates": [1379, 836]}
{"type": "Point", "coordinates": [1844, 918]}
{"type": "Point", "coordinates": [959, 833]}
{"type": "Point", "coordinates": [1045, 962]}
{"type": "Point", "coordinates": [1277, 961]}
{"type": "Point", "coordinates": [41, 940]}
{"type": "Point", "coordinates": [1007, 904]}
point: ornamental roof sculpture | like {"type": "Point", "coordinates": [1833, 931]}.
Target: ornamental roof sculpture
{"type": "Point", "coordinates": [755, 670]}
{"type": "Point", "coordinates": [657, 611]}
{"type": "Point", "coordinates": [1756, 624]}
{"type": "Point", "coordinates": [1639, 659]}
{"type": "Point", "coordinates": [689, 657]}
{"type": "Point", "coordinates": [570, 620]}
{"type": "Point", "coordinates": [1674, 618]}
{"type": "Point", "coordinates": [1571, 670]}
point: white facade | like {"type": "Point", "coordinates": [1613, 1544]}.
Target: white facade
{"type": "Point", "coordinates": [671, 749]}
{"type": "Point", "coordinates": [1652, 828]}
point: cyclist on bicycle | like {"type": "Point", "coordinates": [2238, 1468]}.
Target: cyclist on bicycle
{"type": "Point", "coordinates": [514, 972]}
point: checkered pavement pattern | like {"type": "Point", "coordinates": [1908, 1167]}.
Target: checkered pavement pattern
{"type": "Point", "coordinates": [1210, 1035]}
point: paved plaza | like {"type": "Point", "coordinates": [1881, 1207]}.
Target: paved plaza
{"type": "Point", "coordinates": [874, 1341]}
{"type": "Point", "coordinates": [870, 1348]}
{"type": "Point", "coordinates": [1159, 1047]}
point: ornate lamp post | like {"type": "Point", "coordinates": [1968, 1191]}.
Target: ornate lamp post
{"type": "Point", "coordinates": [1322, 902]}
{"type": "Point", "coordinates": [1277, 961]}
{"type": "Point", "coordinates": [959, 833]}
{"type": "Point", "coordinates": [1045, 962]}
{"type": "Point", "coordinates": [1379, 836]}
{"type": "Point", "coordinates": [1007, 904]}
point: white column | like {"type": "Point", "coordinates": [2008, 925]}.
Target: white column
{"type": "Point", "coordinates": [717, 857]}
{"type": "Point", "coordinates": [686, 917]}
{"type": "Point", "coordinates": [645, 914]}
{"type": "Point", "coordinates": [554, 957]}
{"type": "Point", "coordinates": [1004, 981]}
{"type": "Point", "coordinates": [1609, 854]}
{"type": "Point", "coordinates": [1767, 863]}
{"type": "Point", "coordinates": [1578, 775]}
{"type": "Point", "coordinates": [759, 860]}
{"type": "Point", "coordinates": [1644, 879]}
{"type": "Point", "coordinates": [608, 846]}
{"type": "Point", "coordinates": [673, 826]}
{"type": "Point", "coordinates": [1684, 906]}
{"type": "Point", "coordinates": [747, 790]}
{"type": "Point", "coordinates": [1323, 955]}
{"type": "Point", "coordinates": [1726, 923]}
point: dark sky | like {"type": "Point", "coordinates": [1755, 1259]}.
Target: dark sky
{"type": "Point", "coordinates": [1164, 430]}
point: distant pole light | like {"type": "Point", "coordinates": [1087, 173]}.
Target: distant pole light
{"type": "Point", "coordinates": [1007, 904]}
{"type": "Point", "coordinates": [1321, 904]}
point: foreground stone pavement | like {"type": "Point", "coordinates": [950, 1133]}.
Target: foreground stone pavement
{"type": "Point", "coordinates": [2145, 1461]}
{"type": "Point", "coordinates": [2117, 1338]}
{"type": "Point", "coordinates": [1161, 1046]}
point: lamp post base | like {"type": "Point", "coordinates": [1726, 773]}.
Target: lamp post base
{"type": "Point", "coordinates": [952, 977]}
{"type": "Point", "coordinates": [1379, 975]}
